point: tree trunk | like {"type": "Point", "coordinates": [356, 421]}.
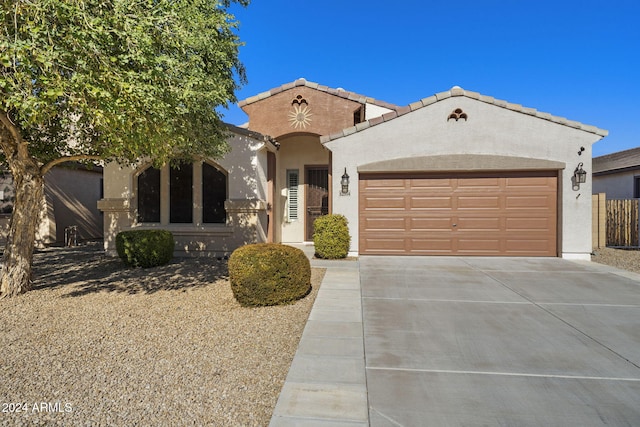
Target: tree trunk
{"type": "Point", "coordinates": [15, 277]}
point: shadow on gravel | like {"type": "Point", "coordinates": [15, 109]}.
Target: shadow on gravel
{"type": "Point", "coordinates": [86, 269]}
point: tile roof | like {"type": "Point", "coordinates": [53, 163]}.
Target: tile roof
{"type": "Point", "coordinates": [458, 91]}
{"type": "Point", "coordinates": [616, 161]}
{"type": "Point", "coordinates": [252, 134]}
{"type": "Point", "coordinates": [303, 82]}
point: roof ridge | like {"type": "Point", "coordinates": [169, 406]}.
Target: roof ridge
{"type": "Point", "coordinates": [458, 91]}
{"type": "Point", "coordinates": [303, 82]}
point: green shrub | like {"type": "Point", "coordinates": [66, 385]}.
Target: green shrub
{"type": "Point", "coordinates": [145, 248]}
{"type": "Point", "coordinates": [269, 274]}
{"type": "Point", "coordinates": [331, 236]}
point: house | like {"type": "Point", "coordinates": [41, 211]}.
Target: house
{"type": "Point", "coordinates": [71, 193]}
{"type": "Point", "coordinates": [618, 174]}
{"type": "Point", "coordinates": [457, 173]}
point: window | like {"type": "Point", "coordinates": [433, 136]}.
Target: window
{"type": "Point", "coordinates": [191, 193]}
{"type": "Point", "coordinates": [292, 185]}
{"type": "Point", "coordinates": [149, 195]}
{"type": "Point", "coordinates": [214, 193]}
{"type": "Point", "coordinates": [181, 194]}
{"type": "Point", "coordinates": [636, 187]}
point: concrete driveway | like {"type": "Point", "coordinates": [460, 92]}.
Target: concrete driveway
{"type": "Point", "coordinates": [500, 341]}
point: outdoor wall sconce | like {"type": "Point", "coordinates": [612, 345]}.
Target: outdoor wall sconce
{"type": "Point", "coordinates": [344, 182]}
{"type": "Point", "coordinates": [579, 176]}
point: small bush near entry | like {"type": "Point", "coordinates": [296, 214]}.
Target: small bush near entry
{"type": "Point", "coordinates": [264, 274]}
{"type": "Point", "coordinates": [145, 248]}
{"type": "Point", "coordinates": [331, 236]}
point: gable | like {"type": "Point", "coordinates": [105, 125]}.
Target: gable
{"type": "Point", "coordinates": [301, 109]}
{"type": "Point", "coordinates": [514, 112]}
{"type": "Point", "coordinates": [307, 107]}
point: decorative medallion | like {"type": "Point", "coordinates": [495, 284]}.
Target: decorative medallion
{"type": "Point", "coordinates": [300, 117]}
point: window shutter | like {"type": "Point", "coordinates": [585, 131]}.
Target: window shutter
{"type": "Point", "coordinates": [292, 184]}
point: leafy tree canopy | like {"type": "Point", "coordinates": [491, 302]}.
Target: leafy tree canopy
{"type": "Point", "coordinates": [116, 79]}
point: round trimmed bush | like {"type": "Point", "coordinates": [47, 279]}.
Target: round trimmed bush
{"type": "Point", "coordinates": [145, 248]}
{"type": "Point", "coordinates": [331, 236]}
{"type": "Point", "coordinates": [264, 274]}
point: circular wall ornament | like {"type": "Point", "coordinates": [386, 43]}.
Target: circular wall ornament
{"type": "Point", "coordinates": [300, 117]}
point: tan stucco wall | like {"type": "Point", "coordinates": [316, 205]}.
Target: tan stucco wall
{"type": "Point", "coordinates": [489, 130]}
{"type": "Point", "coordinates": [74, 204]}
{"type": "Point", "coordinates": [245, 166]}
{"type": "Point", "coordinates": [70, 199]}
{"type": "Point", "coordinates": [295, 153]}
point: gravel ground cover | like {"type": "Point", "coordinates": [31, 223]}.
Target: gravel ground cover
{"type": "Point", "coordinates": [625, 259]}
{"type": "Point", "coordinates": [98, 344]}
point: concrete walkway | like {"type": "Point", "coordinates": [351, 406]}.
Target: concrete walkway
{"type": "Point", "coordinates": [467, 341]}
{"type": "Point", "coordinates": [326, 384]}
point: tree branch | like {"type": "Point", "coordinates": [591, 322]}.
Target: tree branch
{"type": "Point", "coordinates": [46, 168]}
{"type": "Point", "coordinates": [11, 127]}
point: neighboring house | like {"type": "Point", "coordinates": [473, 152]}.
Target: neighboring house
{"type": "Point", "coordinates": [618, 174]}
{"type": "Point", "coordinates": [71, 194]}
{"type": "Point", "coordinates": [457, 173]}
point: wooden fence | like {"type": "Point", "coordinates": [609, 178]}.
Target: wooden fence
{"type": "Point", "coordinates": [620, 222]}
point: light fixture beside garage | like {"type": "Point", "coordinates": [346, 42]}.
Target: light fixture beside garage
{"type": "Point", "coordinates": [344, 182]}
{"type": "Point", "coordinates": [579, 177]}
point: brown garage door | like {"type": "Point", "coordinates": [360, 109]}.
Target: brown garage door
{"type": "Point", "coordinates": [501, 214]}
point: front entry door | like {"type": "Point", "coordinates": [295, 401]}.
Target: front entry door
{"type": "Point", "coordinates": [317, 191]}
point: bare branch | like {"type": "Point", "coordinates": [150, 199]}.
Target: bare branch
{"type": "Point", "coordinates": [46, 168]}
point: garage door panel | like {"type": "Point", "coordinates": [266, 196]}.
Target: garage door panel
{"type": "Point", "coordinates": [530, 247]}
{"type": "Point", "coordinates": [443, 202]}
{"type": "Point", "coordinates": [384, 184]}
{"type": "Point", "coordinates": [385, 245]}
{"type": "Point", "coordinates": [478, 246]}
{"type": "Point", "coordinates": [510, 214]}
{"type": "Point", "coordinates": [430, 224]}
{"type": "Point", "coordinates": [433, 246]}
{"type": "Point", "coordinates": [532, 183]}
{"type": "Point", "coordinates": [542, 201]}
{"type": "Point", "coordinates": [531, 224]}
{"type": "Point", "coordinates": [433, 184]}
{"type": "Point", "coordinates": [385, 224]}
{"type": "Point", "coordinates": [384, 203]}
{"type": "Point", "coordinates": [478, 202]}
{"type": "Point", "coordinates": [480, 184]}
{"type": "Point", "coordinates": [478, 223]}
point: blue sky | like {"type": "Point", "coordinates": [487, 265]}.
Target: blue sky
{"type": "Point", "coordinates": [575, 59]}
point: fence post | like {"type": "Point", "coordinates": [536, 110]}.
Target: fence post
{"type": "Point", "coordinates": [599, 220]}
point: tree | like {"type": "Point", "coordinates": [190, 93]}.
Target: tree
{"type": "Point", "coordinates": [107, 79]}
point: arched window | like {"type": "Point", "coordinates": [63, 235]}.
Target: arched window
{"type": "Point", "coordinates": [196, 194]}
{"type": "Point", "coordinates": [181, 194]}
{"type": "Point", "coordinates": [214, 193]}
{"type": "Point", "coordinates": [149, 195]}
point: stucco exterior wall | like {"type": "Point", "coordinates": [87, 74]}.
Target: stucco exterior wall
{"type": "Point", "coordinates": [245, 167]}
{"type": "Point", "coordinates": [296, 152]}
{"type": "Point", "coordinates": [325, 113]}
{"type": "Point", "coordinates": [70, 196]}
{"type": "Point", "coordinates": [74, 204]}
{"type": "Point", "coordinates": [488, 130]}
{"type": "Point", "coordinates": [616, 185]}
{"type": "Point", "coordinates": [373, 111]}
